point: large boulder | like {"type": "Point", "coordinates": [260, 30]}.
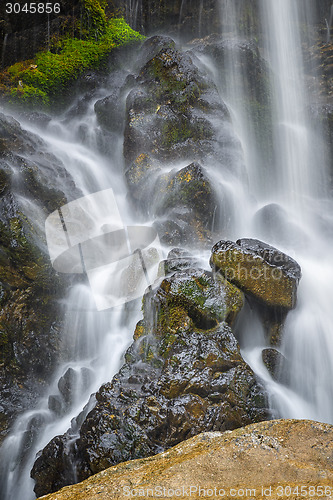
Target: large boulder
{"type": "Point", "coordinates": [176, 127]}
{"type": "Point", "coordinates": [167, 109]}
{"type": "Point", "coordinates": [260, 270]}
{"type": "Point", "coordinates": [280, 459]}
{"type": "Point", "coordinates": [183, 374]}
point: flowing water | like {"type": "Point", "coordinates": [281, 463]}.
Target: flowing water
{"type": "Point", "coordinates": [293, 184]}
{"type": "Point", "coordinates": [3, 51]}
{"type": "Point", "coordinates": [94, 341]}
{"type": "Point", "coordinates": [297, 184]}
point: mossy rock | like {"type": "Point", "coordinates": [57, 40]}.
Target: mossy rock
{"type": "Point", "coordinates": [189, 187]}
{"type": "Point", "coordinates": [207, 302]}
{"type": "Point", "coordinates": [259, 270]}
{"type": "Point", "coordinates": [183, 373]}
{"type": "Point", "coordinates": [164, 117]}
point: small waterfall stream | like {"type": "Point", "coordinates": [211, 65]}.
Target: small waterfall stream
{"type": "Point", "coordinates": [295, 182]}
{"type": "Point", "coordinates": [94, 341]}
{"type": "Point", "coordinates": [3, 52]}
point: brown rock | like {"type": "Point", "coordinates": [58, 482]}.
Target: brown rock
{"type": "Point", "coordinates": [286, 459]}
{"type": "Point", "coordinates": [259, 270]}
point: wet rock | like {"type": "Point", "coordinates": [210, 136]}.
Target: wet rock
{"type": "Point", "coordinates": [187, 198]}
{"type": "Point", "coordinates": [261, 271]}
{"type": "Point", "coordinates": [175, 125]}
{"type": "Point", "coordinates": [162, 115]}
{"type": "Point", "coordinates": [206, 301]}
{"type": "Point", "coordinates": [264, 460]}
{"type": "Point", "coordinates": [276, 364]}
{"type": "Point", "coordinates": [178, 260]}
{"type": "Point", "coordinates": [189, 187]}
{"type": "Point", "coordinates": [109, 111]}
{"type": "Point", "coordinates": [152, 46]}
{"type": "Point", "coordinates": [168, 111]}
{"type": "Point", "coordinates": [55, 404]}
{"type": "Point", "coordinates": [183, 373]}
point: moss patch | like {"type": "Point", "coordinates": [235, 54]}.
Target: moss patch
{"type": "Point", "coordinates": [37, 81]}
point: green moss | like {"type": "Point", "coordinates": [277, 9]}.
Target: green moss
{"type": "Point", "coordinates": [94, 20]}
{"type": "Point", "coordinates": [37, 81]}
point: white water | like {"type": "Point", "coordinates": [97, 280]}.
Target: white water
{"type": "Point", "coordinates": [94, 341]}
{"type": "Point", "coordinates": [296, 181]}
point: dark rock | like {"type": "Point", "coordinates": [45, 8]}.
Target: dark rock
{"type": "Point", "coordinates": [152, 46]}
{"type": "Point", "coordinates": [109, 111]}
{"type": "Point", "coordinates": [187, 198]}
{"type": "Point", "coordinates": [275, 363]}
{"type": "Point", "coordinates": [183, 373]}
{"type": "Point", "coordinates": [164, 116]}
{"type": "Point", "coordinates": [174, 114]}
{"type": "Point", "coordinates": [178, 260]}
{"type": "Point", "coordinates": [55, 404]}
{"type": "Point", "coordinates": [266, 274]}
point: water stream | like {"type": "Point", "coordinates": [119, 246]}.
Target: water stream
{"type": "Point", "coordinates": [94, 341]}
{"type": "Point", "coordinates": [294, 184]}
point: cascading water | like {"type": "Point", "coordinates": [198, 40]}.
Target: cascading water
{"type": "Point", "coordinates": [294, 183]}
{"type": "Point", "coordinates": [300, 187]}
{"type": "Point", "coordinates": [3, 52]}
{"type": "Point", "coordinates": [94, 341]}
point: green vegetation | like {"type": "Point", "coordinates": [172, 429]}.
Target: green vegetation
{"type": "Point", "coordinates": [38, 81]}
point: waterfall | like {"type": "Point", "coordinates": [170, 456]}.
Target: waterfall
{"type": "Point", "coordinates": [290, 181]}
{"type": "Point", "coordinates": [3, 52]}
{"type": "Point", "coordinates": [94, 341]}
{"type": "Point", "coordinates": [134, 14]}
{"type": "Point", "coordinates": [302, 188]}
{"type": "Point", "coordinates": [296, 183]}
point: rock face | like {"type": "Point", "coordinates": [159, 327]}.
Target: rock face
{"type": "Point", "coordinates": [280, 459]}
{"type": "Point", "coordinates": [175, 126]}
{"type": "Point", "coordinates": [29, 288]}
{"type": "Point", "coordinates": [262, 271]}
{"type": "Point", "coordinates": [268, 277]}
{"type": "Point", "coordinates": [183, 374]}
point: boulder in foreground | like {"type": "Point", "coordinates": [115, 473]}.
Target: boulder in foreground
{"type": "Point", "coordinates": [279, 459]}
